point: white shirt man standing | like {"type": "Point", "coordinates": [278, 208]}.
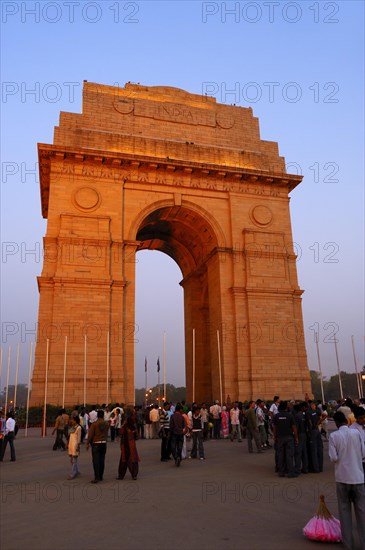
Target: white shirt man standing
{"type": "Point", "coordinates": [9, 437]}
{"type": "Point", "coordinates": [235, 422]}
{"type": "Point", "coordinates": [216, 411]}
{"type": "Point", "coordinates": [347, 451]}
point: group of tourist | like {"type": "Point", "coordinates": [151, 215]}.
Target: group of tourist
{"type": "Point", "coordinates": [296, 430]}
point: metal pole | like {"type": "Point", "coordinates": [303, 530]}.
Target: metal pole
{"type": "Point", "coordinates": [16, 374]}
{"type": "Point", "coordinates": [359, 389]}
{"type": "Point", "coordinates": [85, 370]}
{"type": "Point", "coordinates": [338, 370]}
{"type": "Point", "coordinates": [29, 373]}
{"type": "Point", "coordinates": [107, 366]}
{"type": "Point", "coordinates": [220, 368]}
{"type": "Point", "coordinates": [7, 382]}
{"type": "Point", "coordinates": [164, 367]}
{"type": "Point", "coordinates": [64, 373]}
{"type": "Point", "coordinates": [193, 365]}
{"type": "Point", "coordinates": [319, 366]}
{"type": "Point", "coordinates": [158, 387]}
{"type": "Point", "coordinates": [44, 425]}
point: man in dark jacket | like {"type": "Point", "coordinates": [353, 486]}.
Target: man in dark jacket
{"type": "Point", "coordinates": [97, 438]}
{"type": "Point", "coordinates": [177, 431]}
{"type": "Point", "coordinates": [285, 436]}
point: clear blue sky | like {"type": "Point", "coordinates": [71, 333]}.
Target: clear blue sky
{"type": "Point", "coordinates": [299, 65]}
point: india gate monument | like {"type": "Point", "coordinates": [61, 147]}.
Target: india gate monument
{"type": "Point", "coordinates": [158, 168]}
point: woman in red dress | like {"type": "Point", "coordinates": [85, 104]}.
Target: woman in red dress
{"type": "Point", "coordinates": [128, 450]}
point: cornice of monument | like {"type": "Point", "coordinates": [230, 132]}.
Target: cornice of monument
{"type": "Point", "coordinates": [112, 163]}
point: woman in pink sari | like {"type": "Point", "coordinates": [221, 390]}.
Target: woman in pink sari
{"type": "Point", "coordinates": [225, 422]}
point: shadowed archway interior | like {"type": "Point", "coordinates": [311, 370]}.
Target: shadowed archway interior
{"type": "Point", "coordinates": [190, 241]}
{"type": "Point", "coordinates": [183, 235]}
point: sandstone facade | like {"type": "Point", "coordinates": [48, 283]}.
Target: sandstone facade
{"type": "Point", "coordinates": [162, 169]}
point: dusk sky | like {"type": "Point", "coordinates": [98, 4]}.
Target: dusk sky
{"type": "Point", "coordinates": [299, 65]}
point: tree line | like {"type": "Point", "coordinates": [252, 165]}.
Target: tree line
{"type": "Point", "coordinates": [331, 387]}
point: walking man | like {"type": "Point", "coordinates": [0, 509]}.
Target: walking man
{"type": "Point", "coordinates": [347, 451]}
{"type": "Point", "coordinates": [9, 437]}
{"type": "Point", "coordinates": [165, 432]}
{"type": "Point", "coordinates": [252, 429]}
{"type": "Point", "coordinates": [177, 431]}
{"type": "Point", "coordinates": [97, 438]}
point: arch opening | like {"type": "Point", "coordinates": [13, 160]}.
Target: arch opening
{"type": "Point", "coordinates": [159, 318]}
{"type": "Point", "coordinates": [180, 233]}
{"type": "Point", "coordinates": [189, 239]}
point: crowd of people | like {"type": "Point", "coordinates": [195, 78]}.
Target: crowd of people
{"type": "Point", "coordinates": [294, 431]}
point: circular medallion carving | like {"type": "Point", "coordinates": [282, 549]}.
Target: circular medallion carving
{"type": "Point", "coordinates": [261, 215]}
{"type": "Point", "coordinates": [224, 120]}
{"type": "Point", "coordinates": [86, 199]}
{"type": "Point", "coordinates": [124, 105]}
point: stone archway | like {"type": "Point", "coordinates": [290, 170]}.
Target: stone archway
{"type": "Point", "coordinates": [188, 238]}
{"type": "Point", "coordinates": [158, 168]}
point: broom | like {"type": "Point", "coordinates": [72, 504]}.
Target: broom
{"type": "Point", "coordinates": [323, 526]}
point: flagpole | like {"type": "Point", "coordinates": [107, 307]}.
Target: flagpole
{"type": "Point", "coordinates": [7, 383]}
{"type": "Point", "coordinates": [145, 377]}
{"type": "Point", "coordinates": [44, 424]}
{"type": "Point", "coordinates": [220, 368]}
{"type": "Point", "coordinates": [164, 367]}
{"type": "Point", "coordinates": [64, 374]}
{"type": "Point", "coordinates": [193, 365]}
{"type": "Point", "coordinates": [338, 370]}
{"type": "Point", "coordinates": [107, 366]}
{"type": "Point", "coordinates": [29, 373]}
{"type": "Point", "coordinates": [158, 380]}
{"type": "Point", "coordinates": [319, 366]}
{"type": "Point", "coordinates": [85, 370]}
{"type": "Point", "coordinates": [357, 373]}
{"type": "Point", "coordinates": [16, 375]}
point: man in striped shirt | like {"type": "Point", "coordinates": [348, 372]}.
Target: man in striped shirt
{"type": "Point", "coordinates": [165, 432]}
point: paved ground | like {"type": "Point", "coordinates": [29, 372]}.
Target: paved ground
{"type": "Point", "coordinates": [232, 500]}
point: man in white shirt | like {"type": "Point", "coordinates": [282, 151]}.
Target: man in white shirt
{"type": "Point", "coordinates": [347, 451]}
{"type": "Point", "coordinates": [216, 411]}
{"type": "Point", "coordinates": [274, 409]}
{"type": "Point", "coordinates": [9, 437]}
{"type": "Point", "coordinates": [155, 419]}
{"type": "Point", "coordinates": [359, 425]}
{"type": "Point", "coordinates": [235, 422]}
{"type": "Point", "coordinates": [93, 415]}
